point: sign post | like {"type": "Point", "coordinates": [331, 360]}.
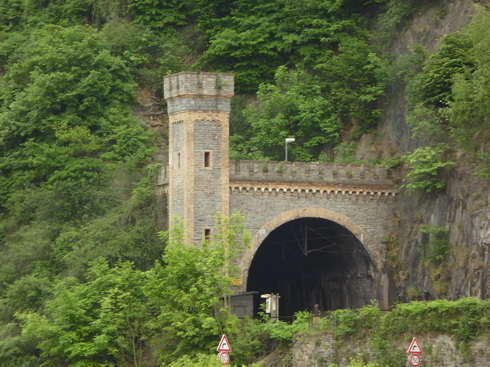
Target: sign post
{"type": "Point", "coordinates": [223, 348]}
{"type": "Point", "coordinates": [415, 351]}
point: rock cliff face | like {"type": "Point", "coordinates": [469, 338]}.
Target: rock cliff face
{"type": "Point", "coordinates": [463, 211]}
{"type": "Point", "coordinates": [460, 214]}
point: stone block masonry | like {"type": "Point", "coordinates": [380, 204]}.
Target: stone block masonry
{"type": "Point", "coordinates": [198, 175]}
{"type": "Point", "coordinates": [310, 172]}
{"type": "Point", "coordinates": [310, 177]}
{"type": "Point", "coordinates": [203, 181]}
{"type": "Point", "coordinates": [198, 92]}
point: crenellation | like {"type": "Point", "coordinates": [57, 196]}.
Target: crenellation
{"type": "Point", "coordinates": [201, 85]}
{"type": "Point", "coordinates": [308, 172]}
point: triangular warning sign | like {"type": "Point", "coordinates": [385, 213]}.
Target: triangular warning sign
{"type": "Point", "coordinates": [414, 347]}
{"type": "Point", "coordinates": [224, 345]}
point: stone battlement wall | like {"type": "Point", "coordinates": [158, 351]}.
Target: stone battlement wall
{"type": "Point", "coordinates": [304, 177]}
{"type": "Point", "coordinates": [188, 91]}
{"type": "Point", "coordinates": [311, 172]}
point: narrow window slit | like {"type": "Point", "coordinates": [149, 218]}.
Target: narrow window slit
{"type": "Point", "coordinates": [207, 159]}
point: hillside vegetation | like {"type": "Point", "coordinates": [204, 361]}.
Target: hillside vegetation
{"type": "Point", "coordinates": [85, 278]}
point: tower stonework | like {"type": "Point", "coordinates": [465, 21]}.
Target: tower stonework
{"type": "Point", "coordinates": [198, 187]}
{"type": "Point", "coordinates": [317, 229]}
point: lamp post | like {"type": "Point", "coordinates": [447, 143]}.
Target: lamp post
{"type": "Point", "coordinates": [288, 140]}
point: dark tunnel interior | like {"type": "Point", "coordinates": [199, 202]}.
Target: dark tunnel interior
{"type": "Point", "coordinates": [313, 264]}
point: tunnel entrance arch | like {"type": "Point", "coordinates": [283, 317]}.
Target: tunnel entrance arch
{"type": "Point", "coordinates": [316, 259]}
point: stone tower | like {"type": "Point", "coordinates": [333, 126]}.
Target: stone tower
{"type": "Point", "coordinates": [198, 108]}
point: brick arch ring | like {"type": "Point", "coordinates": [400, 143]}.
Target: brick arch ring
{"type": "Point", "coordinates": [309, 212]}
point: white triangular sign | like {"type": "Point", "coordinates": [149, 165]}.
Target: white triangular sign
{"type": "Point", "coordinates": [414, 347]}
{"type": "Point", "coordinates": [224, 345]}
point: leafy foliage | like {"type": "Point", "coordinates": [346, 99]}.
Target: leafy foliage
{"type": "Point", "coordinates": [159, 15]}
{"type": "Point", "coordinates": [470, 107]}
{"type": "Point", "coordinates": [449, 96]}
{"type": "Point", "coordinates": [394, 18]}
{"type": "Point", "coordinates": [148, 55]}
{"type": "Point", "coordinates": [71, 186]}
{"type": "Point", "coordinates": [201, 360]}
{"type": "Point", "coordinates": [315, 107]}
{"type": "Point", "coordinates": [357, 361]}
{"type": "Point", "coordinates": [66, 127]}
{"type": "Point", "coordinates": [425, 165]}
{"type": "Point", "coordinates": [455, 56]}
{"type": "Point", "coordinates": [262, 37]}
{"type": "Point", "coordinates": [100, 322]}
{"type": "Point", "coordinates": [292, 107]}
{"type": "Point", "coordinates": [109, 318]}
{"type": "Point", "coordinates": [190, 291]}
{"type": "Point", "coordinates": [79, 213]}
{"type": "Point", "coordinates": [62, 104]}
{"type": "Point", "coordinates": [464, 320]}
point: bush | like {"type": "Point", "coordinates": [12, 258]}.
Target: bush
{"type": "Point", "coordinates": [425, 164]}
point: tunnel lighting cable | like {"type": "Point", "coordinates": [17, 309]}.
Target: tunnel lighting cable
{"type": "Point", "coordinates": [314, 250]}
{"type": "Point", "coordinates": [329, 237]}
{"type": "Point", "coordinates": [298, 240]}
{"type": "Point", "coordinates": [304, 236]}
{"type": "Point", "coordinates": [336, 226]}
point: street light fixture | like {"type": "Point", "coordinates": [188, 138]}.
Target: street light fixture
{"type": "Point", "coordinates": [288, 140]}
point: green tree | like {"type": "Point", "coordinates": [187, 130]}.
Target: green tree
{"type": "Point", "coordinates": [337, 98]}
{"type": "Point", "coordinates": [148, 55]}
{"type": "Point", "coordinates": [32, 14]}
{"type": "Point", "coordinates": [261, 36]}
{"type": "Point", "coordinates": [433, 87]}
{"type": "Point", "coordinates": [67, 134]}
{"type": "Point", "coordinates": [97, 323]}
{"type": "Point", "coordinates": [470, 108]}
{"type": "Point", "coordinates": [160, 15]}
{"type": "Point", "coordinates": [248, 45]}
{"type": "Point", "coordinates": [188, 291]}
{"type": "Point", "coordinates": [121, 316]}
{"type": "Point", "coordinates": [450, 95]}
{"type": "Point", "coordinates": [65, 117]}
{"type": "Point", "coordinates": [294, 106]}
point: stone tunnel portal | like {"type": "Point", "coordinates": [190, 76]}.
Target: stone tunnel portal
{"type": "Point", "coordinates": [314, 264]}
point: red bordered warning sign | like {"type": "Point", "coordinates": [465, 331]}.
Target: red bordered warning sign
{"type": "Point", "coordinates": [224, 345]}
{"type": "Point", "coordinates": [414, 360]}
{"type": "Point", "coordinates": [224, 357]}
{"type": "Point", "coordinates": [414, 347]}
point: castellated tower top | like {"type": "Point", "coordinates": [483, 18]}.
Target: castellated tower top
{"type": "Point", "coordinates": [188, 91]}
